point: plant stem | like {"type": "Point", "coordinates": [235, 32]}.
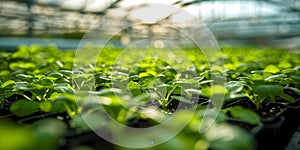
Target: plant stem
{"type": "Point", "coordinates": [169, 94]}
{"type": "Point", "coordinates": [28, 98]}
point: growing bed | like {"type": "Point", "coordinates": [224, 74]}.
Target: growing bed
{"type": "Point", "coordinates": [39, 109]}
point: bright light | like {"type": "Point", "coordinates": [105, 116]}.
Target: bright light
{"type": "Point", "coordinates": [152, 13]}
{"type": "Point", "coordinates": [204, 10]}
{"type": "Point", "coordinates": [126, 3]}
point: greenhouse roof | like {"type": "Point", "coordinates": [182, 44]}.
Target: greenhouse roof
{"type": "Point", "coordinates": [267, 20]}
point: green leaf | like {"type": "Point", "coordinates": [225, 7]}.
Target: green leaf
{"type": "Point", "coordinates": [163, 89]}
{"type": "Point", "coordinates": [293, 89]}
{"type": "Point", "coordinates": [45, 106]}
{"type": "Point", "coordinates": [46, 82]}
{"type": "Point", "coordinates": [62, 80]}
{"type": "Point", "coordinates": [26, 86]}
{"type": "Point", "coordinates": [206, 92]}
{"type": "Point", "coordinates": [16, 137]}
{"type": "Point", "coordinates": [133, 85]}
{"type": "Point", "coordinates": [7, 84]}
{"type": "Point", "coordinates": [7, 94]}
{"type": "Point", "coordinates": [56, 75]}
{"type": "Point", "coordinates": [244, 115]}
{"type": "Point", "coordinates": [284, 64]}
{"type": "Point", "coordinates": [255, 77]}
{"type": "Point", "coordinates": [181, 99]}
{"type": "Point", "coordinates": [66, 73]}
{"type": "Point", "coordinates": [271, 69]}
{"type": "Point", "coordinates": [22, 65]}
{"type": "Point", "coordinates": [285, 81]}
{"type": "Point", "coordinates": [63, 88]}
{"type": "Point", "coordinates": [23, 77]}
{"type": "Point", "coordinates": [257, 72]}
{"type": "Point", "coordinates": [230, 72]}
{"type": "Point", "coordinates": [267, 90]}
{"type": "Point", "coordinates": [287, 97]}
{"type": "Point", "coordinates": [295, 78]}
{"type": "Point", "coordinates": [106, 92]}
{"type": "Point", "coordinates": [275, 77]}
{"type": "Point", "coordinates": [134, 88]}
{"type": "Point", "coordinates": [297, 68]}
{"type": "Point", "coordinates": [219, 89]}
{"type": "Point", "coordinates": [103, 79]}
{"type": "Point", "coordinates": [24, 107]}
{"type": "Point", "coordinates": [235, 86]}
{"type": "Point", "coordinates": [177, 90]}
{"type": "Point", "coordinates": [145, 75]}
{"type": "Point", "coordinates": [57, 106]}
{"type": "Point", "coordinates": [229, 137]}
{"type": "Point", "coordinates": [49, 129]}
{"type": "Point", "coordinates": [94, 120]}
{"type": "Point", "coordinates": [5, 73]}
{"type": "Point", "coordinates": [288, 71]}
{"type": "Point", "coordinates": [134, 77]}
{"type": "Point", "coordinates": [206, 82]}
{"type": "Point", "coordinates": [144, 97]}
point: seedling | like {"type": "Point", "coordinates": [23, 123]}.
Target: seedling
{"type": "Point", "coordinates": [258, 90]}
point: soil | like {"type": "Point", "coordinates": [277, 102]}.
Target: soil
{"type": "Point", "coordinates": [139, 123]}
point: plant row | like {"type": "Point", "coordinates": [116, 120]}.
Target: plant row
{"type": "Point", "coordinates": [51, 96]}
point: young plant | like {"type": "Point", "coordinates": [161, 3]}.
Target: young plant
{"type": "Point", "coordinates": [6, 89]}
{"type": "Point", "coordinates": [258, 89]}
{"type": "Point", "coordinates": [51, 93]}
{"type": "Point", "coordinates": [164, 95]}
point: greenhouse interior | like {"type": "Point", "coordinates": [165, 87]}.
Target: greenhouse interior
{"type": "Point", "coordinates": [157, 75]}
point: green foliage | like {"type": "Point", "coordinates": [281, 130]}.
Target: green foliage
{"type": "Point", "coordinates": [244, 115]}
{"type": "Point", "coordinates": [24, 107]}
{"type": "Point", "coordinates": [7, 90]}
{"type": "Point", "coordinates": [43, 134]}
{"type": "Point", "coordinates": [258, 88]}
{"type": "Point", "coordinates": [41, 80]}
{"type": "Point", "coordinates": [15, 137]}
{"type": "Point", "coordinates": [224, 137]}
